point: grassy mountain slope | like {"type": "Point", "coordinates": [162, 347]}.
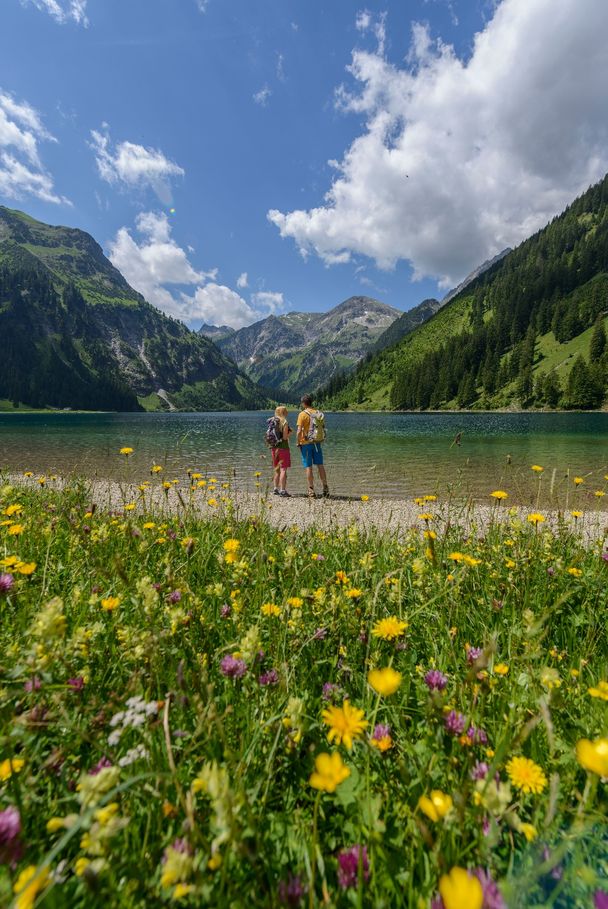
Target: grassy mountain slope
{"type": "Point", "coordinates": [77, 335]}
{"type": "Point", "coordinates": [298, 352]}
{"type": "Point", "coordinates": [528, 332]}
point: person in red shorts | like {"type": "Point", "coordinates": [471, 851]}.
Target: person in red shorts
{"type": "Point", "coordinates": [281, 456]}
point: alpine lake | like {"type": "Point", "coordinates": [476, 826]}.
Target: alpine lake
{"type": "Point", "coordinates": [380, 455]}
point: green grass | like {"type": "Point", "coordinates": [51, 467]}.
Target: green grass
{"type": "Point", "coordinates": [138, 604]}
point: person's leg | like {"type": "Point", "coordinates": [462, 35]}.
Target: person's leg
{"type": "Point", "coordinates": [276, 477]}
{"type": "Point", "coordinates": [311, 481]}
{"type": "Point", "coordinates": [318, 460]}
{"type": "Point", "coordinates": [283, 479]}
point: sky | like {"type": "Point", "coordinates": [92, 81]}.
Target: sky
{"type": "Point", "coordinates": [238, 158]}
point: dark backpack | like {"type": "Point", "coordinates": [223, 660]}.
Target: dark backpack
{"type": "Point", "coordinates": [274, 432]}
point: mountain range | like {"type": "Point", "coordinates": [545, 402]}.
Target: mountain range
{"type": "Point", "coordinates": [529, 331]}
{"type": "Point", "coordinates": [75, 334]}
{"type": "Point", "coordinates": [300, 351]}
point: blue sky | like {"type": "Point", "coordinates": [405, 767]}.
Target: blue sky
{"type": "Point", "coordinates": [241, 157]}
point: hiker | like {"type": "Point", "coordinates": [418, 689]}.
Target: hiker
{"type": "Point", "coordinates": [311, 433]}
{"type": "Point", "coordinates": [281, 457]}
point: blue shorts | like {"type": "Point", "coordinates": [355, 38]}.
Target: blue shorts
{"type": "Point", "coordinates": [311, 454]}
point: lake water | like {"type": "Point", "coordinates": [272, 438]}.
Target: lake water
{"type": "Point", "coordinates": [388, 455]}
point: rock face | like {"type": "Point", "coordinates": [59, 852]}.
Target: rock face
{"type": "Point", "coordinates": [75, 334]}
{"type": "Point", "coordinates": [475, 274]}
{"type": "Point", "coordinates": [300, 351]}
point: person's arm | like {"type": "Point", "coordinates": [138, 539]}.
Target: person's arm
{"type": "Point", "coordinates": [286, 431]}
{"type": "Point", "coordinates": [302, 428]}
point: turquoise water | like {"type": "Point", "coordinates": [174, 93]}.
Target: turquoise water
{"type": "Point", "coordinates": [392, 455]}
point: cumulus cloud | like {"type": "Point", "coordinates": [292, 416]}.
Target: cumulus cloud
{"type": "Point", "coordinates": [21, 169]}
{"type": "Point", "coordinates": [134, 165]}
{"type": "Point", "coordinates": [156, 266]}
{"type": "Point", "coordinates": [242, 280]}
{"type": "Point", "coordinates": [63, 11]}
{"type": "Point", "coordinates": [460, 158]}
{"type": "Point", "coordinates": [268, 300]}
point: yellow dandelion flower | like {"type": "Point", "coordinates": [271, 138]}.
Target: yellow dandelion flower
{"type": "Point", "coordinates": [576, 514]}
{"type": "Point", "coordinates": [330, 770]}
{"type": "Point", "coordinates": [384, 681]}
{"type": "Point", "coordinates": [537, 468]}
{"type": "Point", "coordinates": [578, 480]}
{"type": "Point", "coordinates": [25, 568]}
{"type": "Point", "coordinates": [436, 806]}
{"type": "Point", "coordinates": [271, 609]}
{"type": "Point", "coordinates": [156, 468]}
{"type": "Point", "coordinates": [593, 755]}
{"type": "Point", "coordinates": [10, 766]}
{"type": "Point", "coordinates": [456, 556]}
{"type": "Point", "coordinates": [353, 593]}
{"type": "Point", "coordinates": [295, 602]}
{"type": "Point", "coordinates": [460, 890]}
{"type": "Point", "coordinates": [212, 503]}
{"type": "Point", "coordinates": [599, 493]}
{"type": "Point", "coordinates": [536, 518]}
{"type": "Point", "coordinates": [232, 545]}
{"type": "Point", "coordinates": [499, 494]}
{"type": "Point", "coordinates": [501, 669]}
{"type": "Point", "coordinates": [425, 516]}
{"type": "Point", "coordinates": [13, 509]}
{"type": "Point", "coordinates": [126, 451]}
{"type": "Point", "coordinates": [526, 775]}
{"type": "Point", "coordinates": [529, 831]}
{"type": "Point", "coordinates": [600, 691]}
{"type": "Point", "coordinates": [130, 506]}
{"type": "Point", "coordinates": [110, 603]}
{"type": "Point", "coordinates": [575, 572]}
{"type": "Point", "coordinates": [345, 723]}
{"type": "Point", "coordinates": [365, 498]}
{"type": "Point", "coordinates": [15, 529]}
{"type": "Point", "coordinates": [390, 628]}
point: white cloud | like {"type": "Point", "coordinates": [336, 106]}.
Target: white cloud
{"type": "Point", "coordinates": [262, 96]}
{"type": "Point", "coordinates": [21, 170]}
{"type": "Point", "coordinates": [160, 270]}
{"type": "Point", "coordinates": [134, 165]}
{"type": "Point", "coordinates": [461, 158]}
{"type": "Point", "coordinates": [363, 20]}
{"type": "Point", "coordinates": [202, 5]}
{"type": "Point", "coordinates": [64, 11]}
{"type": "Point", "coordinates": [242, 280]}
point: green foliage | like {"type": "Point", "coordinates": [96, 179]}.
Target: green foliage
{"type": "Point", "coordinates": [112, 639]}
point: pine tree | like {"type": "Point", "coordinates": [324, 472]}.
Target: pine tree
{"type": "Point", "coordinates": [552, 389]}
{"type": "Point", "coordinates": [598, 340]}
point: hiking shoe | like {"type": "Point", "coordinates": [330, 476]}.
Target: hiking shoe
{"type": "Point", "coordinates": [311, 493]}
{"type": "Point", "coordinates": [284, 494]}
{"type": "Point", "coordinates": [276, 491]}
{"type": "Point", "coordinates": [326, 492]}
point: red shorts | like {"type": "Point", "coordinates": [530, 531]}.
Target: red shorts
{"type": "Point", "coordinates": [281, 457]}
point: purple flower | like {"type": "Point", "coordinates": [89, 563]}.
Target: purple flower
{"type": "Point", "coordinates": [435, 680]}
{"type": "Point", "coordinates": [479, 771]}
{"type": "Point", "coordinates": [473, 654]}
{"type": "Point", "coordinates": [291, 891]}
{"type": "Point", "coordinates": [76, 684]}
{"type": "Point", "coordinates": [485, 827]}
{"type": "Point", "coordinates": [319, 557]}
{"type": "Point", "coordinates": [455, 723]}
{"type": "Point", "coordinates": [381, 731]}
{"type": "Point", "coordinates": [175, 596]}
{"type": "Point", "coordinates": [557, 871]}
{"type": "Point", "coordinates": [600, 900]}
{"type": "Point", "coordinates": [349, 861]}
{"type": "Point", "coordinates": [605, 558]}
{"type": "Point", "coordinates": [6, 582]}
{"type": "Point", "coordinates": [233, 668]}
{"type": "Point", "coordinates": [328, 691]}
{"type": "Point", "coordinates": [492, 897]}
{"type": "Point", "coordinates": [32, 684]}
{"type": "Point", "coordinates": [11, 847]}
{"type": "Point", "coordinates": [269, 678]}
{"type": "Point", "coordinates": [225, 611]}
{"type": "Point", "coordinates": [550, 571]}
{"type": "Point", "coordinates": [99, 766]}
{"type": "Point", "coordinates": [477, 736]}
{"type": "Point", "coordinates": [319, 634]}
{"type": "Point", "coordinates": [363, 637]}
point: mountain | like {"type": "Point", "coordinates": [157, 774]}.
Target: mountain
{"type": "Point", "coordinates": [531, 331]}
{"type": "Point", "coordinates": [75, 334]}
{"type": "Point", "coordinates": [475, 274]}
{"type": "Point", "coordinates": [215, 332]}
{"type": "Point", "coordinates": [300, 351]}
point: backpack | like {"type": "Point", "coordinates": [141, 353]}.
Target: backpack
{"type": "Point", "coordinates": [316, 429]}
{"type": "Point", "coordinates": [274, 432]}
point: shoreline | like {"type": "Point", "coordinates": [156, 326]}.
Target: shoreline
{"type": "Point", "coordinates": [392, 516]}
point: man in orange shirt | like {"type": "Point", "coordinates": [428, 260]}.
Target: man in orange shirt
{"type": "Point", "coordinates": [310, 435]}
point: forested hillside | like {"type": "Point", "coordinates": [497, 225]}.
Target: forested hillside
{"type": "Point", "coordinates": [529, 332]}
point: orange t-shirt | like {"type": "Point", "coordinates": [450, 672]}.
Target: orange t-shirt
{"type": "Point", "coordinates": [303, 427]}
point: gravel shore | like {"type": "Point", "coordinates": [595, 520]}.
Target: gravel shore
{"type": "Point", "coordinates": [380, 515]}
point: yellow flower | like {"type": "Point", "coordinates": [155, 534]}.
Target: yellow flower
{"type": "Point", "coordinates": [295, 602]}
{"type": "Point", "coordinates": [593, 756]}
{"type": "Point", "coordinates": [130, 506]}
{"type": "Point", "coordinates": [501, 669]}
{"type": "Point", "coordinates": [271, 609]}
{"type": "Point", "coordinates": [425, 516]}
{"type": "Point", "coordinates": [384, 681]}
{"type": "Point", "coordinates": [232, 545]}
{"type": "Point", "coordinates": [437, 806]}
{"type": "Point", "coordinates": [16, 529]}
{"type": "Point", "coordinates": [456, 556]}
{"type": "Point", "coordinates": [499, 494]}
{"type": "Point", "coordinates": [354, 593]}
{"type": "Point", "coordinates": [599, 493]}
{"type": "Point", "coordinates": [25, 568]}
{"type": "Point", "coordinates": [10, 766]}
{"type": "Point", "coordinates": [529, 831]}
{"type": "Point", "coordinates": [13, 509]}
{"type": "Point", "coordinates": [156, 468]}
{"type": "Point", "coordinates": [345, 723]}
{"type": "Point", "coordinates": [215, 862]}
{"type": "Point", "coordinates": [365, 498]}
{"type": "Point", "coordinates": [536, 518]}
{"type": "Point", "coordinates": [212, 503]}
{"type": "Point", "coordinates": [526, 775]}
{"type": "Point", "coordinates": [576, 514]}
{"type": "Point", "coordinates": [126, 451]}
{"type": "Point", "coordinates": [182, 890]}
{"type": "Point", "coordinates": [575, 572]}
{"type": "Point", "coordinates": [330, 770]}
{"type": "Point", "coordinates": [537, 469]}
{"type": "Point", "coordinates": [460, 890]}
{"type": "Point", "coordinates": [149, 525]}
{"type": "Point", "coordinates": [578, 481]}
{"type": "Point", "coordinates": [29, 884]}
{"type": "Point", "coordinates": [600, 692]}
{"type": "Point", "coordinates": [342, 578]}
{"type": "Point", "coordinates": [110, 603]}
{"type": "Point", "coordinates": [389, 628]}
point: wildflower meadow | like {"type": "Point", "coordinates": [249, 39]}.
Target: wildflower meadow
{"type": "Point", "coordinates": [203, 711]}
